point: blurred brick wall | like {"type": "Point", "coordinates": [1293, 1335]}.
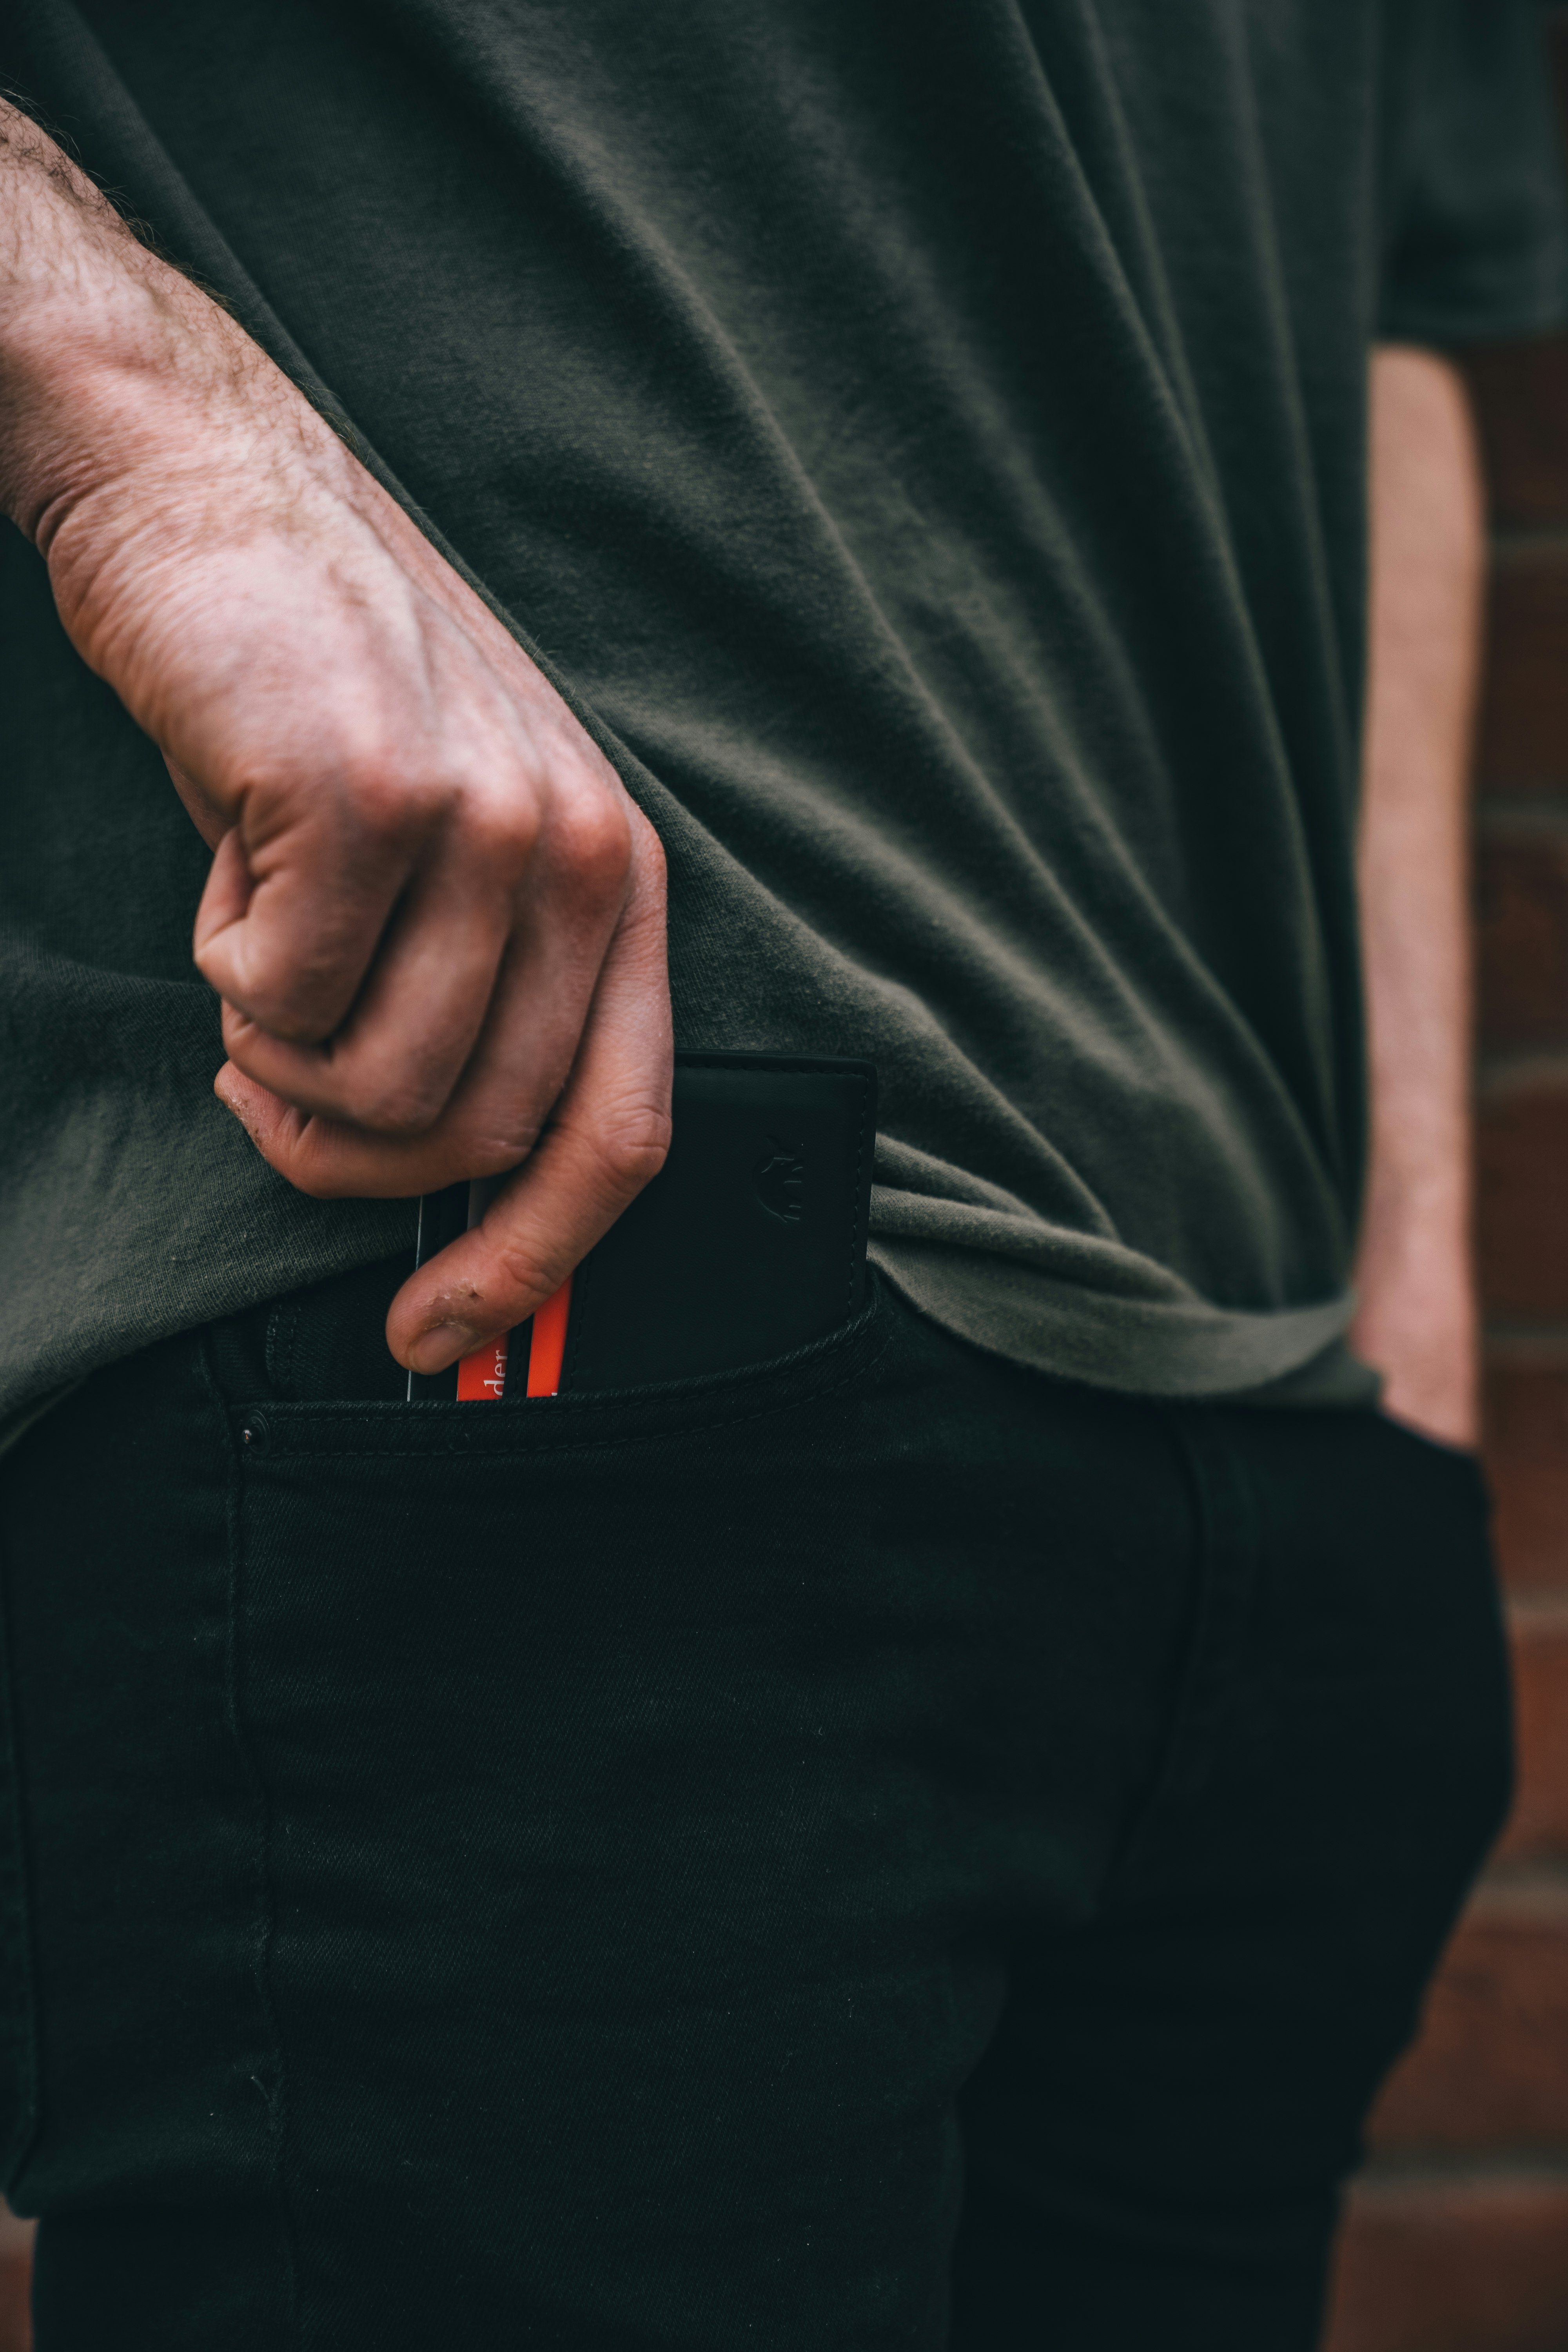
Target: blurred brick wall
{"type": "Point", "coordinates": [1457, 2234]}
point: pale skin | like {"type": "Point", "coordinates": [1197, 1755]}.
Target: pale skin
{"type": "Point", "coordinates": [435, 918]}
{"type": "Point", "coordinates": [1417, 1318]}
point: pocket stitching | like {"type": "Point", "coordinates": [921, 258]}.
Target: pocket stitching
{"type": "Point", "coordinates": [461, 1439]}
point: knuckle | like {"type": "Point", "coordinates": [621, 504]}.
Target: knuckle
{"type": "Point", "coordinates": [650, 851]}
{"type": "Point", "coordinates": [406, 1105]}
{"type": "Point", "coordinates": [312, 1162]}
{"type": "Point", "coordinates": [500, 1148]}
{"type": "Point", "coordinates": [524, 1272]}
{"type": "Point", "coordinates": [383, 809]}
{"type": "Point", "coordinates": [632, 1143]}
{"type": "Point", "coordinates": [593, 842]}
{"type": "Point", "coordinates": [381, 798]}
{"type": "Point", "coordinates": [294, 982]}
{"type": "Point", "coordinates": [387, 1095]}
{"type": "Point", "coordinates": [502, 831]}
{"type": "Point", "coordinates": [302, 1012]}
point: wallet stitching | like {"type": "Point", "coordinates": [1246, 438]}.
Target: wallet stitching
{"type": "Point", "coordinates": [588, 1439]}
{"type": "Point", "coordinates": [588, 1442]}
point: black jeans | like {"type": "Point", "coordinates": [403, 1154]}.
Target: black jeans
{"type": "Point", "coordinates": [887, 1849]}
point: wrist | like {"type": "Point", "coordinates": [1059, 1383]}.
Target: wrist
{"type": "Point", "coordinates": [148, 450]}
{"type": "Point", "coordinates": [113, 365]}
{"type": "Point", "coordinates": [96, 387]}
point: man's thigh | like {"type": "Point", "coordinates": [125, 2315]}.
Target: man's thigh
{"type": "Point", "coordinates": [538, 1873]}
{"type": "Point", "coordinates": [1159, 2130]}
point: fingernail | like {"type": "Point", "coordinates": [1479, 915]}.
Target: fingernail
{"type": "Point", "coordinates": [434, 1349]}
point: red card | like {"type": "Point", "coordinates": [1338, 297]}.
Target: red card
{"type": "Point", "coordinates": [483, 1374]}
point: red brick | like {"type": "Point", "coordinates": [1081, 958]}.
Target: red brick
{"type": "Point", "coordinates": [1522, 747]}
{"type": "Point", "coordinates": [1520, 392]}
{"type": "Point", "coordinates": [1521, 936]}
{"type": "Point", "coordinates": [1539, 1828]}
{"type": "Point", "coordinates": [1490, 2068]}
{"type": "Point", "coordinates": [1473, 2265]}
{"type": "Point", "coordinates": [1527, 1461]}
{"type": "Point", "coordinates": [1522, 1177]}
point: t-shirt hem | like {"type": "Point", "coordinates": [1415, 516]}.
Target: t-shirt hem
{"type": "Point", "coordinates": [1136, 1346]}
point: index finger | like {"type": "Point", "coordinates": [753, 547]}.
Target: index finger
{"type": "Point", "coordinates": [606, 1138]}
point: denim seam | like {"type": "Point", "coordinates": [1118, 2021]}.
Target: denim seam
{"type": "Point", "coordinates": [261, 1955]}
{"type": "Point", "coordinates": [25, 2133]}
{"type": "Point", "coordinates": [588, 1439]}
{"type": "Point", "coordinates": [1226, 1547]}
{"type": "Point", "coordinates": [1227, 1519]}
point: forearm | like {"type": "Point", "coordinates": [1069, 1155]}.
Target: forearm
{"type": "Point", "coordinates": [89, 319]}
{"type": "Point", "coordinates": [434, 917]}
{"type": "Point", "coordinates": [130, 404]}
{"type": "Point", "coordinates": [1417, 1318]}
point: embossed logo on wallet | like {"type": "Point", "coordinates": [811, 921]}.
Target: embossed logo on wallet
{"type": "Point", "coordinates": [778, 1181]}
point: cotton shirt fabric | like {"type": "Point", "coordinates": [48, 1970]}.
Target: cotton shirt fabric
{"type": "Point", "coordinates": [927, 447]}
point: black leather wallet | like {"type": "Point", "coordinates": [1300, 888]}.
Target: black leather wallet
{"type": "Point", "coordinates": [750, 1242]}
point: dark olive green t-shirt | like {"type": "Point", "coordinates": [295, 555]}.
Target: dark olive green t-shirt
{"type": "Point", "coordinates": [926, 444]}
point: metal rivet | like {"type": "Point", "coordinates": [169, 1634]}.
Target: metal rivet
{"type": "Point", "coordinates": [255, 1434]}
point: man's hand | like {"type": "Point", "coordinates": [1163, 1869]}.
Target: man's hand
{"type": "Point", "coordinates": [1417, 1316]}
{"type": "Point", "coordinates": [434, 917]}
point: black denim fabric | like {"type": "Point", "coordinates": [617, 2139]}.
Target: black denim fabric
{"type": "Point", "coordinates": [887, 1850]}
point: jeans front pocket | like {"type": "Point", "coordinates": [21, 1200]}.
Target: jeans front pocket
{"type": "Point", "coordinates": [524, 1685]}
